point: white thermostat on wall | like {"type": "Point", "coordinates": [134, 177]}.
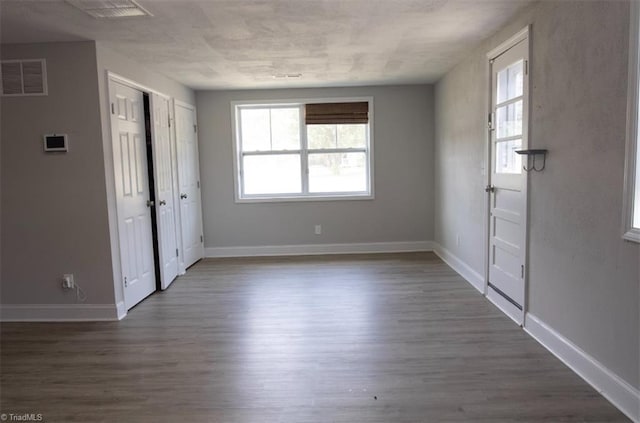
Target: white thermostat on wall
{"type": "Point", "coordinates": [55, 142]}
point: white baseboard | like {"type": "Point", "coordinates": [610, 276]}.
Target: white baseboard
{"type": "Point", "coordinates": [60, 312]}
{"type": "Point", "coordinates": [318, 249]}
{"type": "Point", "coordinates": [620, 393]}
{"type": "Point", "coordinates": [470, 275]}
{"type": "Point", "coordinates": [121, 310]}
{"type": "Point", "coordinates": [513, 312]}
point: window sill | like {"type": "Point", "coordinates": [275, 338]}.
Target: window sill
{"type": "Point", "coordinates": [632, 235]}
{"type": "Point", "coordinates": [292, 199]}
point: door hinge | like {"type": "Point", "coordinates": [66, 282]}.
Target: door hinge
{"type": "Point", "coordinates": [198, 184]}
{"type": "Point", "coordinates": [169, 121]}
{"type": "Point", "coordinates": [201, 238]}
{"type": "Point", "coordinates": [526, 67]}
{"type": "Point", "coordinates": [177, 255]}
{"type": "Point", "coordinates": [522, 271]}
{"type": "Point", "coordinates": [113, 108]}
{"type": "Point", "coordinates": [490, 121]}
{"type": "Point", "coordinates": [126, 284]}
{"type": "Point", "coordinates": [195, 128]}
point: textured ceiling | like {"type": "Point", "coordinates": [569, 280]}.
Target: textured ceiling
{"type": "Point", "coordinates": [222, 44]}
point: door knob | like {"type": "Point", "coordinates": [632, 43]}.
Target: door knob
{"type": "Point", "coordinates": [150, 203]}
{"type": "Point", "coordinates": [183, 196]}
{"type": "Point", "coordinates": [489, 188]}
{"type": "Point", "coordinates": [163, 203]}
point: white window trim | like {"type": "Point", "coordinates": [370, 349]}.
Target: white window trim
{"type": "Point", "coordinates": [629, 232]}
{"type": "Point", "coordinates": [277, 198]}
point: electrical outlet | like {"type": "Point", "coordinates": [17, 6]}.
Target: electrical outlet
{"type": "Point", "coordinates": [67, 281]}
{"type": "Point", "coordinates": [318, 229]}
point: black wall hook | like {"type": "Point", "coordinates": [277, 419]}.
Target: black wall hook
{"type": "Point", "coordinates": [531, 158]}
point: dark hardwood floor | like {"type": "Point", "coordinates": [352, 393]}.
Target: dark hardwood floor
{"type": "Point", "coordinates": [371, 338]}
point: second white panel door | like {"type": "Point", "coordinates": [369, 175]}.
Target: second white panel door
{"type": "Point", "coordinates": [189, 184]}
{"type": "Point", "coordinates": [164, 194]}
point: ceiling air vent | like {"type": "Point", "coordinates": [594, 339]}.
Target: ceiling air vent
{"type": "Point", "coordinates": [23, 77]}
{"type": "Point", "coordinates": [110, 8]}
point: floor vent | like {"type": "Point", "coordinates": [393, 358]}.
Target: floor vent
{"type": "Point", "coordinates": [23, 77]}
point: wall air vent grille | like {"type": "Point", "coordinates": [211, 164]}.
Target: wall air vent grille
{"type": "Point", "coordinates": [23, 77]}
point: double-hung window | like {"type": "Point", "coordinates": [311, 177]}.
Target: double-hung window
{"type": "Point", "coordinates": [631, 215]}
{"type": "Point", "coordinates": [301, 150]}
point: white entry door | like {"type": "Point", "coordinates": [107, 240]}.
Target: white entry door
{"type": "Point", "coordinates": [132, 193]}
{"type": "Point", "coordinates": [189, 184]}
{"type": "Point", "coordinates": [508, 183]}
{"type": "Point", "coordinates": [164, 194]}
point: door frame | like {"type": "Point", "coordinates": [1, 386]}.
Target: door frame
{"type": "Point", "coordinates": [522, 35]}
{"type": "Point", "coordinates": [113, 77]}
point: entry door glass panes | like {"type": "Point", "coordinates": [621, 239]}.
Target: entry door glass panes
{"type": "Point", "coordinates": [507, 161]}
{"type": "Point", "coordinates": [509, 118]}
{"type": "Point", "coordinates": [510, 82]}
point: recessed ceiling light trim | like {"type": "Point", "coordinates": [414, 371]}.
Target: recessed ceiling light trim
{"type": "Point", "coordinates": [110, 9]}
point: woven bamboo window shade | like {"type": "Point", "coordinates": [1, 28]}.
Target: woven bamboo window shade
{"type": "Point", "coordinates": [336, 113]}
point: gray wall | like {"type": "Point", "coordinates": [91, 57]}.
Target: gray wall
{"type": "Point", "coordinates": [54, 206]}
{"type": "Point", "coordinates": [108, 60]}
{"type": "Point", "coordinates": [583, 278]}
{"type": "Point", "coordinates": [58, 210]}
{"type": "Point", "coordinates": [403, 146]}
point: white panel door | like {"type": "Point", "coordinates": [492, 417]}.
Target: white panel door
{"type": "Point", "coordinates": [132, 193]}
{"type": "Point", "coordinates": [164, 195]}
{"type": "Point", "coordinates": [189, 184]}
{"type": "Point", "coordinates": [507, 190]}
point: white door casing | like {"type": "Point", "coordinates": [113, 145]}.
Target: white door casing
{"type": "Point", "coordinates": [164, 193]}
{"type": "Point", "coordinates": [188, 184]}
{"type": "Point", "coordinates": [132, 193]}
{"type": "Point", "coordinates": [507, 187]}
